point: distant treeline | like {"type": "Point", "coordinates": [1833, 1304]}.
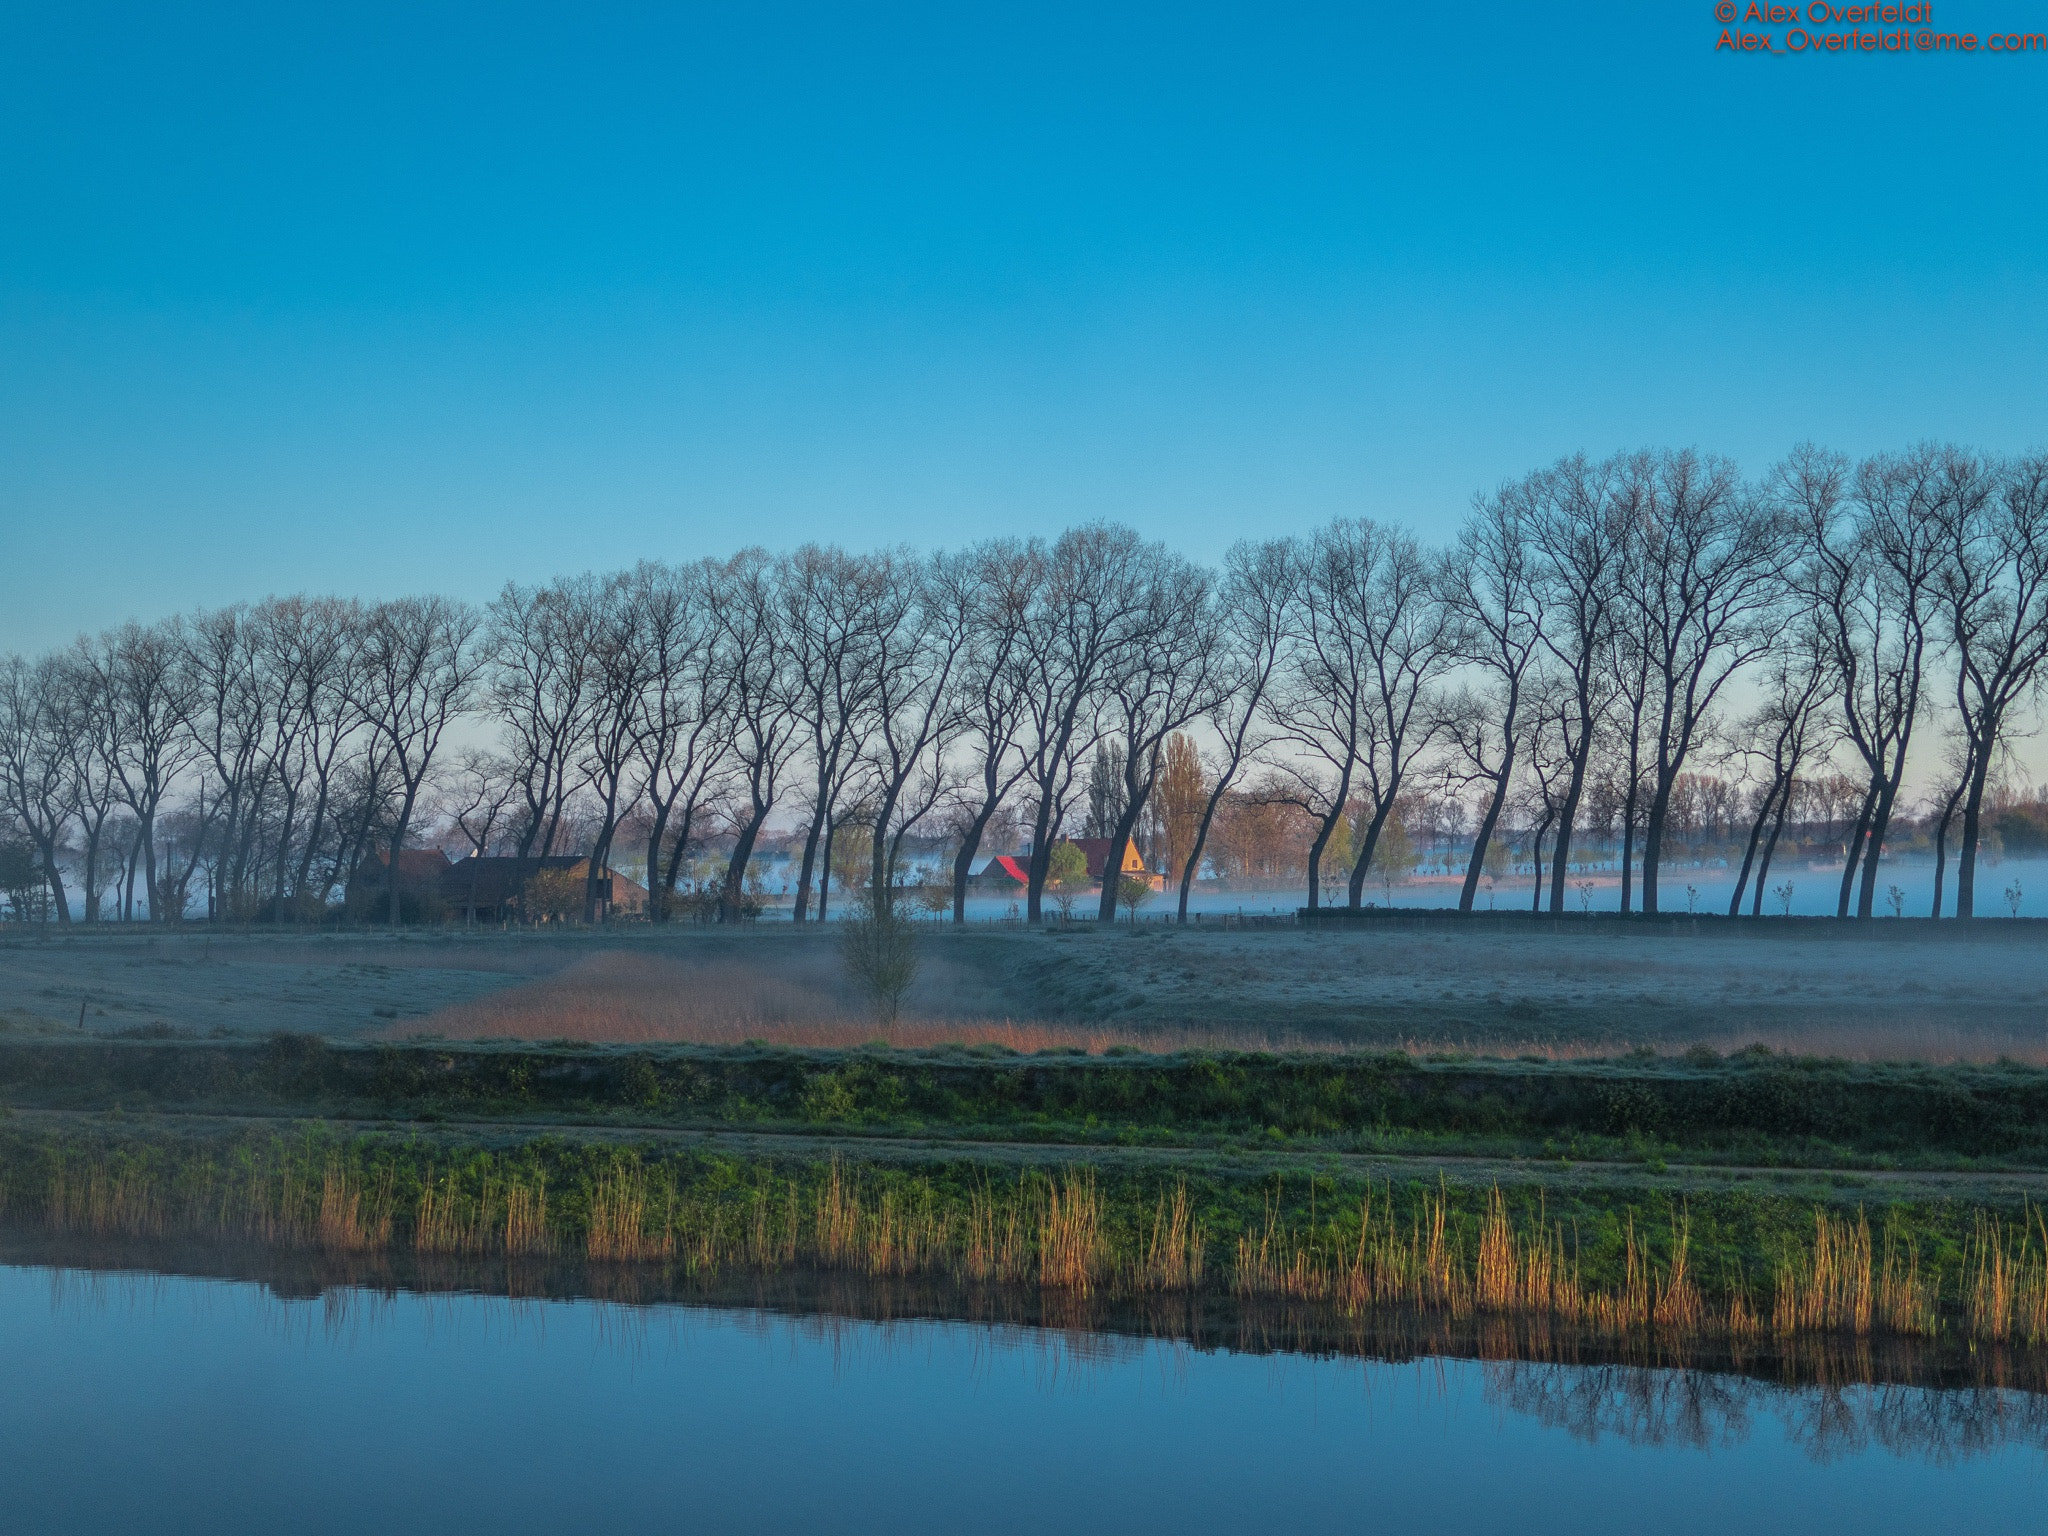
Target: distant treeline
{"type": "Point", "coordinates": [1564, 673]}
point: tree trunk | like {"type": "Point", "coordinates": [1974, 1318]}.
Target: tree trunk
{"type": "Point", "coordinates": [1628, 845]}
{"type": "Point", "coordinates": [1568, 813]}
{"type": "Point", "coordinates": [1384, 809]}
{"type": "Point", "coordinates": [1756, 832]}
{"type": "Point", "coordinates": [1853, 849]}
{"type": "Point", "coordinates": [963, 861]}
{"type": "Point", "coordinates": [58, 899]}
{"type": "Point", "coordinates": [1973, 813]}
{"type": "Point", "coordinates": [1041, 856]}
{"type": "Point", "coordinates": [149, 878]}
{"type": "Point", "coordinates": [397, 842]}
{"type": "Point", "coordinates": [803, 879]}
{"type": "Point", "coordinates": [1653, 841]}
{"type": "Point", "coordinates": [657, 897]}
{"type": "Point", "coordinates": [736, 868]}
{"type": "Point", "coordinates": [1113, 861]}
{"type": "Point", "coordinates": [884, 850]}
{"type": "Point", "coordinates": [676, 849]}
{"type": "Point", "coordinates": [1187, 874]}
{"type": "Point", "coordinates": [1941, 826]}
{"type": "Point", "coordinates": [1880, 824]}
{"type": "Point", "coordinates": [825, 876]}
{"type": "Point", "coordinates": [1763, 870]}
{"type": "Point", "coordinates": [1484, 836]}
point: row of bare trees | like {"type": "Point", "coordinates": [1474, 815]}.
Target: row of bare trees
{"type": "Point", "coordinates": [263, 746]}
{"type": "Point", "coordinates": [1571, 658]}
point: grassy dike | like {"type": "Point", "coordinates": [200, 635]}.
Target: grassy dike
{"type": "Point", "coordinates": [1112, 1176]}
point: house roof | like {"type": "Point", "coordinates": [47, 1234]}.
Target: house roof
{"type": "Point", "coordinates": [491, 882]}
{"type": "Point", "coordinates": [1097, 850]}
{"type": "Point", "coordinates": [1094, 849]}
{"type": "Point", "coordinates": [416, 866]}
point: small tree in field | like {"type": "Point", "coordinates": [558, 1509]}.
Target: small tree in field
{"type": "Point", "coordinates": [1394, 859]}
{"type": "Point", "coordinates": [1066, 875]}
{"type": "Point", "coordinates": [879, 948]}
{"type": "Point", "coordinates": [1134, 891]}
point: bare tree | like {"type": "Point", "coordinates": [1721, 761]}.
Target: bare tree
{"type": "Point", "coordinates": [837, 609]}
{"type": "Point", "coordinates": [1961, 770]}
{"type": "Point", "coordinates": [307, 650]}
{"type": "Point", "coordinates": [1160, 679]}
{"type": "Point", "coordinates": [916, 704]}
{"type": "Point", "coordinates": [91, 742]}
{"type": "Point", "coordinates": [335, 644]}
{"type": "Point", "coordinates": [994, 681]}
{"type": "Point", "coordinates": [1788, 728]}
{"type": "Point", "coordinates": [1319, 699]}
{"type": "Point", "coordinates": [1553, 749]}
{"type": "Point", "coordinates": [1708, 559]}
{"type": "Point", "coordinates": [1403, 626]}
{"type": "Point", "coordinates": [1577, 523]}
{"type": "Point", "coordinates": [621, 669]}
{"type": "Point", "coordinates": [423, 663]}
{"type": "Point", "coordinates": [142, 678]}
{"type": "Point", "coordinates": [34, 761]}
{"type": "Point", "coordinates": [230, 718]}
{"type": "Point", "coordinates": [477, 797]}
{"type": "Point", "coordinates": [1871, 548]}
{"type": "Point", "coordinates": [1085, 611]}
{"type": "Point", "coordinates": [766, 728]}
{"type": "Point", "coordinates": [1491, 586]}
{"type": "Point", "coordinates": [685, 726]}
{"type": "Point", "coordinates": [539, 643]}
{"type": "Point", "coordinates": [1252, 632]}
{"type": "Point", "coordinates": [1993, 589]}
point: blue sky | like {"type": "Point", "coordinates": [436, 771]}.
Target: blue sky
{"type": "Point", "coordinates": [374, 300]}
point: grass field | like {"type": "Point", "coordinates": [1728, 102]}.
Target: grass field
{"type": "Point", "coordinates": [1890, 990]}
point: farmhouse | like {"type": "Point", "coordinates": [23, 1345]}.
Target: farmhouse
{"type": "Point", "coordinates": [1013, 872]}
{"type": "Point", "coordinates": [487, 890]}
{"type": "Point", "coordinates": [490, 890]}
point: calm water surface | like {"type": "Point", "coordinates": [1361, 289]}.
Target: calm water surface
{"type": "Point", "coordinates": [183, 1405]}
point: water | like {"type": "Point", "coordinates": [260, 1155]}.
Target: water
{"type": "Point", "coordinates": [204, 1405]}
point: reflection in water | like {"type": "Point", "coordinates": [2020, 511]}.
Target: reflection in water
{"type": "Point", "coordinates": [1703, 1409]}
{"type": "Point", "coordinates": [166, 1392]}
{"type": "Point", "coordinates": [1835, 1397]}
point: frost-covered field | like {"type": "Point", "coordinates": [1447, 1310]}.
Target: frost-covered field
{"type": "Point", "coordinates": [1911, 989]}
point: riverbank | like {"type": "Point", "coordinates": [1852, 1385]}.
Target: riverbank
{"type": "Point", "coordinates": [1752, 1109]}
{"type": "Point", "coordinates": [1706, 1200]}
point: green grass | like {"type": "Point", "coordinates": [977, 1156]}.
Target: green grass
{"type": "Point", "coordinates": [1619, 1255]}
{"type": "Point", "coordinates": [1752, 1109]}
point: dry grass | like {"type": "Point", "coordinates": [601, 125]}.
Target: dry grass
{"type": "Point", "coordinates": [1055, 1230]}
{"type": "Point", "coordinates": [634, 998]}
{"type": "Point", "coordinates": [1934, 1042]}
{"type": "Point", "coordinates": [629, 997]}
